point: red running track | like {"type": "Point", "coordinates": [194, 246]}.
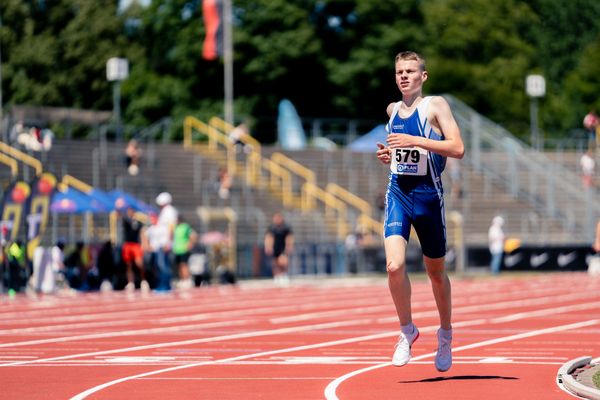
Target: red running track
{"type": "Point", "coordinates": [329, 338]}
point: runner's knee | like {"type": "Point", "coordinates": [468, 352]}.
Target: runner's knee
{"type": "Point", "coordinates": [394, 267]}
{"type": "Point", "coordinates": [436, 275]}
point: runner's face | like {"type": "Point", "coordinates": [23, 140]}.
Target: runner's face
{"type": "Point", "coordinates": [409, 76]}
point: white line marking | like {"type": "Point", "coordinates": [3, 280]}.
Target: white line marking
{"type": "Point", "coordinates": [457, 310]}
{"type": "Point", "coordinates": [243, 335]}
{"type": "Point", "coordinates": [501, 305]}
{"type": "Point", "coordinates": [134, 332]}
{"type": "Point", "coordinates": [100, 387]}
{"type": "Point", "coordinates": [247, 356]}
{"type": "Point", "coordinates": [387, 334]}
{"type": "Point", "coordinates": [332, 387]}
{"type": "Point", "coordinates": [244, 378]}
{"type": "Point", "coordinates": [544, 298]}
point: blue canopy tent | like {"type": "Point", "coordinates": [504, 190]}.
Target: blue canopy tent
{"type": "Point", "coordinates": [101, 197]}
{"type": "Point", "coordinates": [122, 200]}
{"type": "Point", "coordinates": [367, 142]}
{"type": "Point", "coordinates": [72, 201]}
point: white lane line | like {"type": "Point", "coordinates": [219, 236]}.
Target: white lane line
{"type": "Point", "coordinates": [503, 305]}
{"type": "Point", "coordinates": [133, 332]}
{"type": "Point", "coordinates": [559, 310]}
{"type": "Point", "coordinates": [333, 385]}
{"type": "Point", "coordinates": [146, 331]}
{"type": "Point", "coordinates": [243, 335]}
{"type": "Point", "coordinates": [229, 314]}
{"type": "Point", "coordinates": [100, 387]}
{"type": "Point", "coordinates": [200, 312]}
{"type": "Point", "coordinates": [240, 378]}
{"type": "Point", "coordinates": [96, 364]}
{"type": "Point", "coordinates": [544, 298]}
{"type": "Point", "coordinates": [158, 303]}
{"type": "Point", "coordinates": [457, 310]}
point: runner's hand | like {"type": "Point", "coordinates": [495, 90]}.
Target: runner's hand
{"type": "Point", "coordinates": [383, 153]}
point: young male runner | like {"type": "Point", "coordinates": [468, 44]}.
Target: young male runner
{"type": "Point", "coordinates": [422, 133]}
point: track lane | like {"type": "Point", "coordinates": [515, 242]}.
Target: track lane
{"type": "Point", "coordinates": [382, 322]}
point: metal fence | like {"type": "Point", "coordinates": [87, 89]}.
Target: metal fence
{"type": "Point", "coordinates": [554, 192]}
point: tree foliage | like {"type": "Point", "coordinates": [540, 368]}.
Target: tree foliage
{"type": "Point", "coordinates": [331, 58]}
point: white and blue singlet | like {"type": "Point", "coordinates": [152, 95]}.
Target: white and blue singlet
{"type": "Point", "coordinates": [414, 195]}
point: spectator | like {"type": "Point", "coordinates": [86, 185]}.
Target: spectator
{"type": "Point", "coordinates": [16, 130]}
{"type": "Point", "coordinates": [132, 254]}
{"type": "Point", "coordinates": [48, 273]}
{"type": "Point", "coordinates": [496, 243]}
{"type": "Point", "coordinates": [352, 245]}
{"type": "Point", "coordinates": [156, 242]}
{"type": "Point", "coordinates": [454, 173]}
{"type": "Point", "coordinates": [184, 240]}
{"type": "Point", "coordinates": [168, 214]}
{"type": "Point", "coordinates": [224, 184]}
{"type": "Point", "coordinates": [380, 203]}
{"type": "Point", "coordinates": [596, 245]}
{"type": "Point", "coordinates": [588, 166]}
{"type": "Point", "coordinates": [106, 265]}
{"type": "Point", "coordinates": [76, 266]}
{"type": "Point", "coordinates": [591, 122]}
{"type": "Point", "coordinates": [133, 154]}
{"type": "Point", "coordinates": [594, 264]}
{"type": "Point", "coordinates": [17, 266]}
{"type": "Point", "coordinates": [57, 258]}
{"type": "Point", "coordinates": [279, 245]}
{"type": "Point", "coordinates": [167, 218]}
{"type": "Point", "coordinates": [238, 137]}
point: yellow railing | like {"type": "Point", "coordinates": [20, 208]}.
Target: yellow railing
{"type": "Point", "coordinates": [253, 162]}
{"type": "Point", "coordinates": [370, 224]}
{"type": "Point", "coordinates": [214, 139]}
{"type": "Point", "coordinates": [281, 169]}
{"type": "Point", "coordinates": [365, 219]}
{"type": "Point", "coordinates": [332, 204]}
{"type": "Point", "coordinates": [350, 198]}
{"type": "Point", "coordinates": [11, 163]}
{"type": "Point", "coordinates": [305, 199]}
{"type": "Point", "coordinates": [190, 123]}
{"type": "Point", "coordinates": [253, 166]}
{"type": "Point", "coordinates": [280, 181]}
{"type": "Point", "coordinates": [226, 127]}
{"type": "Point", "coordinates": [70, 180]}
{"type": "Point", "coordinates": [23, 157]}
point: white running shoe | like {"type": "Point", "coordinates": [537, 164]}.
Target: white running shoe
{"type": "Point", "coordinates": [402, 354]}
{"type": "Point", "coordinates": [130, 287]}
{"type": "Point", "coordinates": [443, 357]}
{"type": "Point", "coordinates": [185, 284]}
{"type": "Point", "coordinates": [145, 286]}
{"type": "Point", "coordinates": [106, 286]}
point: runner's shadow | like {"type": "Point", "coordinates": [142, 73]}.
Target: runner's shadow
{"type": "Point", "coordinates": [460, 378]}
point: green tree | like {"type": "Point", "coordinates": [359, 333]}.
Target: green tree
{"type": "Point", "coordinates": [331, 58]}
{"type": "Point", "coordinates": [56, 51]}
{"type": "Point", "coordinates": [480, 55]}
{"type": "Point", "coordinates": [564, 39]}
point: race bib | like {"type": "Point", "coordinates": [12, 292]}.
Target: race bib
{"type": "Point", "coordinates": [409, 161]}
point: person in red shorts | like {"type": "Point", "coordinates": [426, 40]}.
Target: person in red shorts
{"type": "Point", "coordinates": [131, 252]}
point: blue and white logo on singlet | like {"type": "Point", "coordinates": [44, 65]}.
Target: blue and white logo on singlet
{"type": "Point", "coordinates": [410, 168]}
